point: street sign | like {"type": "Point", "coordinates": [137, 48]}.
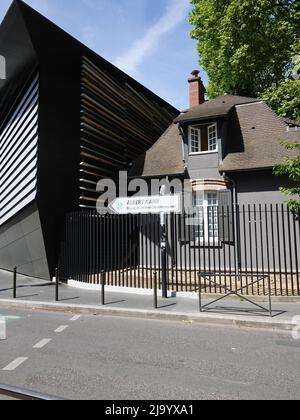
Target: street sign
{"type": "Point", "coordinates": [156, 204]}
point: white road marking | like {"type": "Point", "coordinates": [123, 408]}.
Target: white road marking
{"type": "Point", "coordinates": [11, 318]}
{"type": "Point", "coordinates": [61, 328]}
{"type": "Point", "coordinates": [42, 343]}
{"type": "Point", "coordinates": [16, 363]}
{"type": "Point", "coordinates": [75, 318]}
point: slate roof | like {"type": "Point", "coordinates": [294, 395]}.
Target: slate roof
{"type": "Point", "coordinates": [164, 158]}
{"type": "Point", "coordinates": [255, 138]}
{"type": "Point", "coordinates": [218, 107]}
{"type": "Point", "coordinates": [254, 141]}
{"type": "Point", "coordinates": [291, 123]}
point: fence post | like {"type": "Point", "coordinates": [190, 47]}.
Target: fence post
{"type": "Point", "coordinates": [155, 290]}
{"type": "Point", "coordinates": [56, 284]}
{"type": "Point", "coordinates": [103, 278]}
{"type": "Point", "coordinates": [15, 283]}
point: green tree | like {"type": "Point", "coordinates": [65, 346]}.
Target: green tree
{"type": "Point", "coordinates": [285, 99]}
{"type": "Point", "coordinates": [291, 167]}
{"type": "Point", "coordinates": [251, 48]}
{"type": "Point", "coordinates": [245, 46]}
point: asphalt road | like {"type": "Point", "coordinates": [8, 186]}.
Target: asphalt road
{"type": "Point", "coordinates": [113, 358]}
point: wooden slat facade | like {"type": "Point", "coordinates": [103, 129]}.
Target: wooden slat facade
{"type": "Point", "coordinates": [118, 124]}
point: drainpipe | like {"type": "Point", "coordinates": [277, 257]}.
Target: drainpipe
{"type": "Point", "coordinates": [234, 188]}
{"type": "Point", "coordinates": [183, 146]}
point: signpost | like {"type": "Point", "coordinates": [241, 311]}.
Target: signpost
{"type": "Point", "coordinates": [157, 204]}
{"type": "Point", "coordinates": [163, 246]}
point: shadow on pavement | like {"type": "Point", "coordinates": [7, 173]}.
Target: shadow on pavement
{"type": "Point", "coordinates": [27, 296]}
{"type": "Point", "coordinates": [71, 298]}
{"type": "Point", "coordinates": [115, 303]}
{"type": "Point", "coordinates": [242, 311]}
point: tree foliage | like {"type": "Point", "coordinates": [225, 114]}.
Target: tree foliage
{"type": "Point", "coordinates": [245, 46]}
{"type": "Point", "coordinates": [291, 168]}
{"type": "Point", "coordinates": [252, 48]}
{"type": "Point", "coordinates": [285, 99]}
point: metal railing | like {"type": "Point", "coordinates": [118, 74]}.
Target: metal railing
{"type": "Point", "coordinates": [235, 245]}
{"type": "Point", "coordinates": [233, 292]}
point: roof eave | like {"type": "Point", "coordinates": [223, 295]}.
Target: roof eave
{"type": "Point", "coordinates": [156, 175]}
{"type": "Point", "coordinates": [235, 170]}
{"type": "Point", "coordinates": [191, 120]}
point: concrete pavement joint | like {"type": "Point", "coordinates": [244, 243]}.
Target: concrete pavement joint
{"type": "Point", "coordinates": [233, 320]}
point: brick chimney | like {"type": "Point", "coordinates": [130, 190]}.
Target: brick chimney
{"type": "Point", "coordinates": [197, 89]}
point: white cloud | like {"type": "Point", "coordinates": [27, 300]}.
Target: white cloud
{"type": "Point", "coordinates": [175, 13]}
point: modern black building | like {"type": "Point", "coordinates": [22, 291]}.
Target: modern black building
{"type": "Point", "coordinates": [67, 119]}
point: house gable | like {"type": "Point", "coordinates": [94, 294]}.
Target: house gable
{"type": "Point", "coordinates": [249, 135]}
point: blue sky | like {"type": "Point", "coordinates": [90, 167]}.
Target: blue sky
{"type": "Point", "coordinates": [148, 39]}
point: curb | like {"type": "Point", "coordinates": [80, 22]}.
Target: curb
{"type": "Point", "coordinates": [187, 295]}
{"type": "Point", "coordinates": [229, 320]}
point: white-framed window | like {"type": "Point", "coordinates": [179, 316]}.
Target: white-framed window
{"type": "Point", "coordinates": [195, 140]}
{"type": "Point", "coordinates": [207, 216]}
{"type": "Point", "coordinates": [212, 137]}
{"type": "Point", "coordinates": [203, 139]}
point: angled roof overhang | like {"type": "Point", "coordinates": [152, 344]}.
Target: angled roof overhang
{"type": "Point", "coordinates": [20, 58]}
{"type": "Point", "coordinates": [27, 38]}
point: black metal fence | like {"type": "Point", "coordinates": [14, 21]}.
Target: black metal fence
{"type": "Point", "coordinates": [239, 247]}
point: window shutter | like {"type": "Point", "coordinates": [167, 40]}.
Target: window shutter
{"type": "Point", "coordinates": [226, 217]}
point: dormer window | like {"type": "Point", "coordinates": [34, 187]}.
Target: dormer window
{"type": "Point", "coordinates": [212, 138]}
{"type": "Point", "coordinates": [203, 138]}
{"type": "Point", "coordinates": [195, 140]}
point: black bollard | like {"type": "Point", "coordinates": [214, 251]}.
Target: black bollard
{"type": "Point", "coordinates": [103, 288]}
{"type": "Point", "coordinates": [155, 291]}
{"type": "Point", "coordinates": [56, 284]}
{"type": "Point", "coordinates": [15, 283]}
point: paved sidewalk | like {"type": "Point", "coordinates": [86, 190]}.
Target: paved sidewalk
{"type": "Point", "coordinates": [32, 293]}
